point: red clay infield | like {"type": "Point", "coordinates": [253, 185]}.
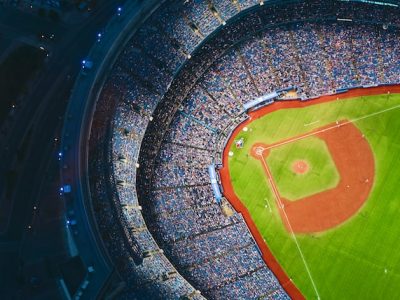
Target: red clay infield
{"type": "Point", "coordinates": [229, 193]}
{"type": "Point", "coordinates": [354, 161]}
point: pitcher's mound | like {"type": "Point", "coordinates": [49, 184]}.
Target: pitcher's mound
{"type": "Point", "coordinates": [300, 167]}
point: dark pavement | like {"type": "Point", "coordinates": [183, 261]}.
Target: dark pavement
{"type": "Point", "coordinates": [33, 212]}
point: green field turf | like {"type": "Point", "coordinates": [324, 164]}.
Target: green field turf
{"type": "Point", "coordinates": [359, 259]}
{"type": "Point", "coordinates": [322, 174]}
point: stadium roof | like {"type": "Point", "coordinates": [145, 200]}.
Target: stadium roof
{"type": "Point", "coordinates": [388, 3]}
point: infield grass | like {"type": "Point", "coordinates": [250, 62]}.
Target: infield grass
{"type": "Point", "coordinates": [359, 259]}
{"type": "Point", "coordinates": [322, 173]}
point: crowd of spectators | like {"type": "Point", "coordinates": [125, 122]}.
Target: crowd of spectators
{"type": "Point", "coordinates": [192, 100]}
{"type": "Point", "coordinates": [144, 267]}
{"type": "Point", "coordinates": [262, 64]}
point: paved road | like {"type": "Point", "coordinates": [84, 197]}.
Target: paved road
{"type": "Point", "coordinates": [35, 200]}
{"type": "Point", "coordinates": [40, 113]}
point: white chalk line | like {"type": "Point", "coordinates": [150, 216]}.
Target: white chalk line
{"type": "Point", "coordinates": [312, 123]}
{"type": "Point", "coordinates": [282, 207]}
{"type": "Point", "coordinates": [332, 127]}
{"type": "Point", "coordinates": [274, 188]}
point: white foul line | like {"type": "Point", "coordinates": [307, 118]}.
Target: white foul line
{"type": "Point", "coordinates": [280, 204]}
{"type": "Point", "coordinates": [332, 127]}
{"type": "Point", "coordinates": [282, 207]}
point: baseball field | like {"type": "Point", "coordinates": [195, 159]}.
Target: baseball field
{"type": "Point", "coordinates": [319, 183]}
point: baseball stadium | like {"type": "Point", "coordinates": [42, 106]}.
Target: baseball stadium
{"type": "Point", "coordinates": [316, 185]}
{"type": "Point", "coordinates": [239, 149]}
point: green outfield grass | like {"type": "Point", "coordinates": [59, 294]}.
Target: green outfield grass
{"type": "Point", "coordinates": [322, 173]}
{"type": "Point", "coordinates": [359, 259]}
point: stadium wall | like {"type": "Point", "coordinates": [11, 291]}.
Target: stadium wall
{"type": "Point", "coordinates": [74, 143]}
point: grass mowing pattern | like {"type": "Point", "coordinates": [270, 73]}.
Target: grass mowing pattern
{"type": "Point", "coordinates": [321, 176]}
{"type": "Point", "coordinates": [359, 259]}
